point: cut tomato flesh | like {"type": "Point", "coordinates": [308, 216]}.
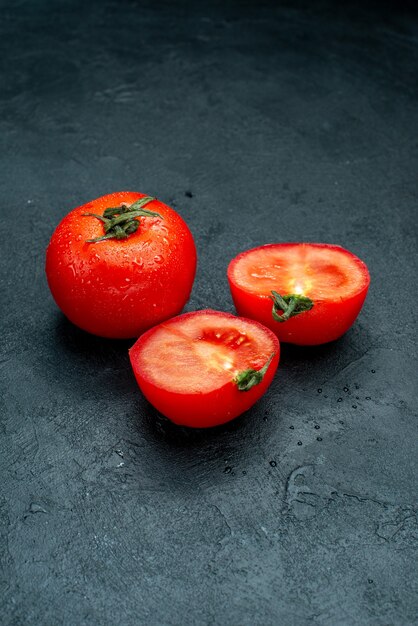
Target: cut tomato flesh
{"type": "Point", "coordinates": [199, 352]}
{"type": "Point", "coordinates": [320, 271]}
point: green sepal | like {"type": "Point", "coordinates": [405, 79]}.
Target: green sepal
{"type": "Point", "coordinates": [290, 305]}
{"type": "Point", "coordinates": [120, 222]}
{"type": "Point", "coordinates": [247, 379]}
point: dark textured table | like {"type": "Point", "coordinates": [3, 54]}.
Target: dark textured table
{"type": "Point", "coordinates": [257, 123]}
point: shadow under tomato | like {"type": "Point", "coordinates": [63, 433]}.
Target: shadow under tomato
{"type": "Point", "coordinates": [192, 458]}
{"type": "Point", "coordinates": [290, 351]}
{"type": "Point", "coordinates": [251, 424]}
{"type": "Point", "coordinates": [82, 344]}
{"type": "Point", "coordinates": [160, 426]}
{"type": "Point", "coordinates": [356, 340]}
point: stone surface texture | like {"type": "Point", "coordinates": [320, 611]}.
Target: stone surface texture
{"type": "Point", "coordinates": [258, 122]}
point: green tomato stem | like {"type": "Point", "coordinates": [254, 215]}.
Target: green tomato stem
{"type": "Point", "coordinates": [290, 305]}
{"type": "Point", "coordinates": [249, 378]}
{"type": "Point", "coordinates": [120, 222]}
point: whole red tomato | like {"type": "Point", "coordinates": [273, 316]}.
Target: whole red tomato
{"type": "Point", "coordinates": [307, 293]}
{"type": "Point", "coordinates": [204, 368]}
{"type": "Point", "coordinates": [120, 264]}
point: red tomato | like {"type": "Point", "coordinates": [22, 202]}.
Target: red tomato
{"type": "Point", "coordinates": [137, 271]}
{"type": "Point", "coordinates": [317, 289]}
{"type": "Point", "coordinates": [204, 368]}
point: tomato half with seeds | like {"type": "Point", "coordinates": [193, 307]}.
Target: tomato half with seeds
{"type": "Point", "coordinates": [204, 368]}
{"type": "Point", "coordinates": [120, 264]}
{"type": "Point", "coordinates": [307, 293]}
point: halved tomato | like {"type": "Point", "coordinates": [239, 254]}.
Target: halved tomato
{"type": "Point", "coordinates": [205, 368]}
{"type": "Point", "coordinates": [307, 293]}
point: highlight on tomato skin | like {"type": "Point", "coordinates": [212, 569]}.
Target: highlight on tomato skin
{"type": "Point", "coordinates": [306, 293]}
{"type": "Point", "coordinates": [205, 368]}
{"type": "Point", "coordinates": [120, 264]}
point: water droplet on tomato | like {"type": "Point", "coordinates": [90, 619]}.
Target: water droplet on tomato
{"type": "Point", "coordinates": [158, 258]}
{"type": "Point", "coordinates": [138, 263]}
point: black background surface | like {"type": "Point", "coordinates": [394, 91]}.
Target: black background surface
{"type": "Point", "coordinates": [287, 123]}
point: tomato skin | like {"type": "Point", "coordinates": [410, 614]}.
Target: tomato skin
{"type": "Point", "coordinates": [201, 410]}
{"type": "Point", "coordinates": [119, 288]}
{"type": "Point", "coordinates": [325, 322]}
